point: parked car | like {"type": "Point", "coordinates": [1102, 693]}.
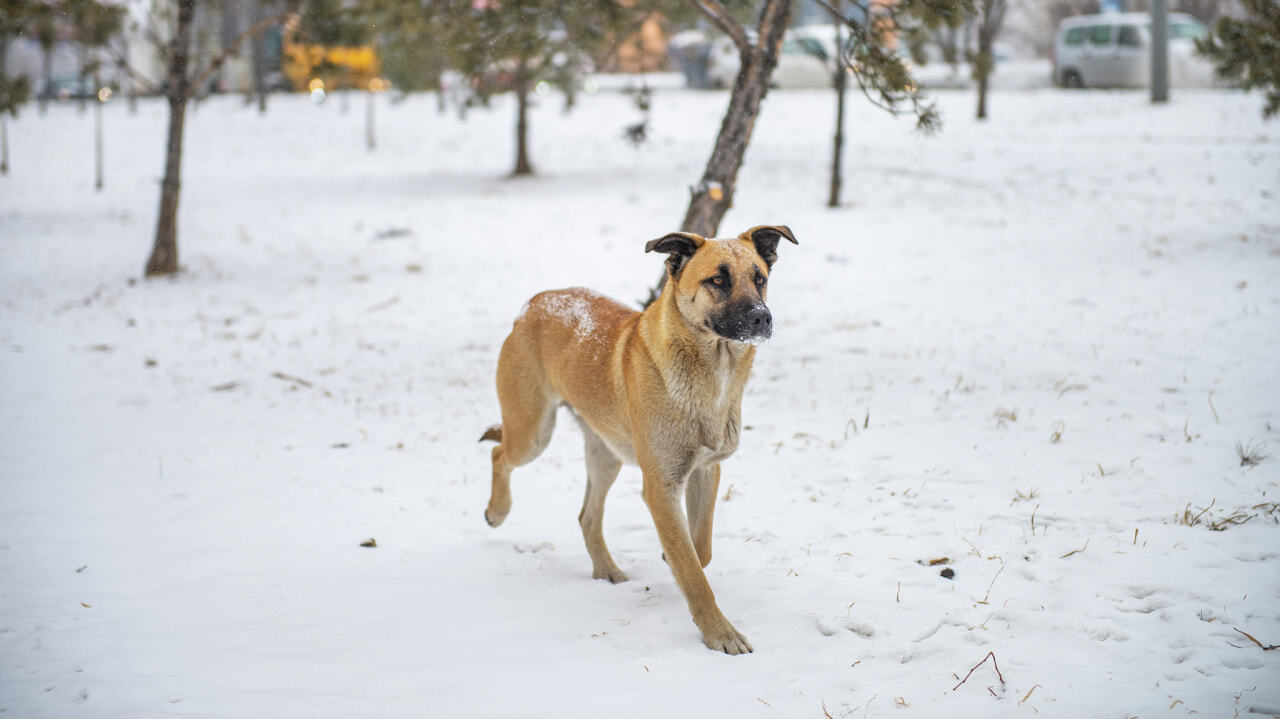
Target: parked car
{"type": "Point", "coordinates": [1114, 50]}
{"type": "Point", "coordinates": [806, 59]}
{"type": "Point", "coordinates": [71, 87]}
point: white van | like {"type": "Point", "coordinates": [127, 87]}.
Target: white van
{"type": "Point", "coordinates": [1114, 50]}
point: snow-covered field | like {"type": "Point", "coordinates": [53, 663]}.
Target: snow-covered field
{"type": "Point", "coordinates": [1023, 351]}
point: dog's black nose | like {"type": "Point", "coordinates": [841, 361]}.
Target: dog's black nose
{"type": "Point", "coordinates": [759, 321]}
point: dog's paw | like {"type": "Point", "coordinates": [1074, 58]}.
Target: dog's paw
{"type": "Point", "coordinates": [613, 574]}
{"type": "Point", "coordinates": [729, 641]}
{"type": "Point", "coordinates": [494, 518]}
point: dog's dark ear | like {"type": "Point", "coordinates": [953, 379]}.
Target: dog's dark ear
{"type": "Point", "coordinates": [766, 239]}
{"type": "Point", "coordinates": [680, 246]}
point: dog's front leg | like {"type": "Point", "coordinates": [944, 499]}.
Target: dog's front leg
{"type": "Point", "coordinates": [700, 502]}
{"type": "Point", "coordinates": [662, 495]}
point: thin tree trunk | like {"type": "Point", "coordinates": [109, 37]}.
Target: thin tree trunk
{"type": "Point", "coordinates": [97, 139]}
{"type": "Point", "coordinates": [990, 17]}
{"type": "Point", "coordinates": [4, 119]}
{"type": "Point", "coordinates": [46, 71]}
{"type": "Point", "coordinates": [258, 54]}
{"type": "Point", "coordinates": [714, 194]}
{"type": "Point", "coordinates": [80, 78]}
{"type": "Point", "coordinates": [164, 254]}
{"type": "Point", "coordinates": [133, 82]}
{"type": "Point", "coordinates": [840, 80]}
{"type": "Point", "coordinates": [523, 167]}
{"type": "Point", "coordinates": [369, 140]}
{"type": "Point", "coordinates": [982, 97]}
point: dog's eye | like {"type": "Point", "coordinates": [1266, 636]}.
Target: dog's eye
{"type": "Point", "coordinates": [718, 281]}
{"type": "Point", "coordinates": [759, 279]}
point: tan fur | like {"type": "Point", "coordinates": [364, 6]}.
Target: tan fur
{"type": "Point", "coordinates": [657, 388]}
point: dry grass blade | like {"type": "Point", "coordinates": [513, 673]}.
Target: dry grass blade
{"type": "Point", "coordinates": [1058, 428]}
{"type": "Point", "coordinates": [1076, 551]}
{"type": "Point", "coordinates": [1003, 416]}
{"type": "Point", "coordinates": [291, 378]}
{"type": "Point", "coordinates": [1237, 518]}
{"type": "Point", "coordinates": [986, 599]}
{"type": "Point", "coordinates": [1191, 520]}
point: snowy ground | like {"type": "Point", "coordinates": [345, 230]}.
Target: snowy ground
{"type": "Point", "coordinates": [1027, 348]}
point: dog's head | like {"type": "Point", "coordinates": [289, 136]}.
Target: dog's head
{"type": "Point", "coordinates": [720, 285]}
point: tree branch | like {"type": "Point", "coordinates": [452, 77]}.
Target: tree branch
{"type": "Point", "coordinates": [122, 62]}
{"type": "Point", "coordinates": [231, 49]}
{"type": "Point", "coordinates": [149, 32]}
{"type": "Point", "coordinates": [719, 16]}
{"type": "Point", "coordinates": [835, 14]}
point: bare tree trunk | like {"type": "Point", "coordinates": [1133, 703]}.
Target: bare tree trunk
{"type": "Point", "coordinates": [81, 76]}
{"type": "Point", "coordinates": [164, 254]}
{"type": "Point", "coordinates": [982, 97]}
{"type": "Point", "coordinates": [258, 55]}
{"type": "Point", "coordinates": [714, 194]}
{"type": "Point", "coordinates": [4, 119]}
{"type": "Point", "coordinates": [46, 71]}
{"type": "Point", "coordinates": [840, 81]}
{"type": "Point", "coordinates": [97, 139]}
{"type": "Point", "coordinates": [523, 167]}
{"type": "Point", "coordinates": [133, 82]}
{"type": "Point", "coordinates": [369, 140]}
{"type": "Point", "coordinates": [990, 18]}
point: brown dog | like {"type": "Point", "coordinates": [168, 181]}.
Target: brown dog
{"type": "Point", "coordinates": [660, 388]}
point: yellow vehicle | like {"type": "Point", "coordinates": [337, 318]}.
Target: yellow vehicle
{"type": "Point", "coordinates": [333, 67]}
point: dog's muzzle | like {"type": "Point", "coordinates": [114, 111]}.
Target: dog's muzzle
{"type": "Point", "coordinates": [745, 323]}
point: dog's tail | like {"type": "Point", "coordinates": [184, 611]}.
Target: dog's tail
{"type": "Point", "coordinates": [493, 433]}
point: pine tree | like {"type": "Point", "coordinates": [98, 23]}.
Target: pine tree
{"type": "Point", "coordinates": [518, 45]}
{"type": "Point", "coordinates": [1247, 51]}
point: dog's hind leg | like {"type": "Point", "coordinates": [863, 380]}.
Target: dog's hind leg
{"type": "Point", "coordinates": [602, 470]}
{"type": "Point", "coordinates": [700, 504]}
{"type": "Point", "coordinates": [528, 417]}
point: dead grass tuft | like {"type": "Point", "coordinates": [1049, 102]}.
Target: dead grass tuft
{"type": "Point", "coordinates": [1223, 519]}
{"type": "Point", "coordinates": [1058, 428]}
{"type": "Point", "coordinates": [1251, 454]}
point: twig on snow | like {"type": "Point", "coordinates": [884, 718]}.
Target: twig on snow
{"type": "Point", "coordinates": [1264, 647]}
{"type": "Point", "coordinates": [992, 657]}
{"type": "Point", "coordinates": [291, 378]}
